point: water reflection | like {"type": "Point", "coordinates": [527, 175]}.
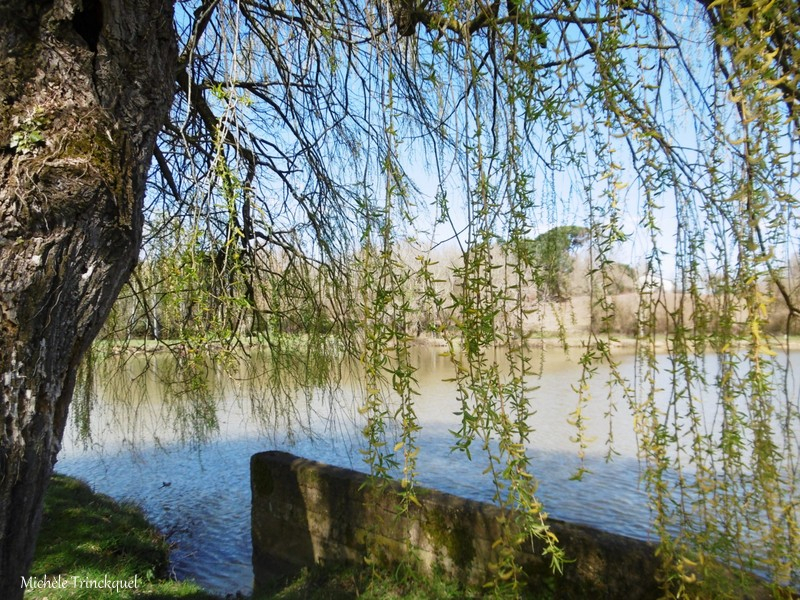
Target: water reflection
{"type": "Point", "coordinates": [199, 493]}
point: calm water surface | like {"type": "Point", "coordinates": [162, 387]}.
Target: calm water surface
{"type": "Point", "coordinates": [199, 493]}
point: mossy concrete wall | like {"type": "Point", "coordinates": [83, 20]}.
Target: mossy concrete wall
{"type": "Point", "coordinates": [306, 512]}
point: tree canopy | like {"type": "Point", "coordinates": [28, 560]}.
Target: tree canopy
{"type": "Point", "coordinates": [308, 144]}
{"type": "Point", "coordinates": [549, 256]}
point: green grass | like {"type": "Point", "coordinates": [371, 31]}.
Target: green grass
{"type": "Point", "coordinates": [89, 539]}
{"type": "Point", "coordinates": [341, 583]}
{"type": "Point", "coordinates": [93, 538]}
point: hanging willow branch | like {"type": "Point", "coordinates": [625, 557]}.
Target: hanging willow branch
{"type": "Point", "coordinates": [312, 144]}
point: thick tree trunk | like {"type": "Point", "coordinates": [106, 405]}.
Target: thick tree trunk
{"type": "Point", "coordinates": [85, 85]}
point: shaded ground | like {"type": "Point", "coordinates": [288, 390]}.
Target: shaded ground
{"type": "Point", "coordinates": [90, 540]}
{"type": "Point", "coordinates": [100, 549]}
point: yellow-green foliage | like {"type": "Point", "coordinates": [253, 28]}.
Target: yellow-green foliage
{"type": "Point", "coordinates": [296, 208]}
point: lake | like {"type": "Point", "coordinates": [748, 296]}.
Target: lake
{"type": "Point", "coordinates": [198, 492]}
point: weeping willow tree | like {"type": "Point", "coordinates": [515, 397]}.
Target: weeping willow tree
{"type": "Point", "coordinates": [308, 144]}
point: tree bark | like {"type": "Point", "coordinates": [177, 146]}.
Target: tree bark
{"type": "Point", "coordinates": [85, 86]}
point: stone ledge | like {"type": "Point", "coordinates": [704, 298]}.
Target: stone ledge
{"type": "Point", "coordinates": [306, 513]}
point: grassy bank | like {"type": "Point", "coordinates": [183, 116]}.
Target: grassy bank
{"type": "Point", "coordinates": [321, 583]}
{"type": "Point", "coordinates": [91, 541]}
{"type": "Point", "coordinates": [100, 549]}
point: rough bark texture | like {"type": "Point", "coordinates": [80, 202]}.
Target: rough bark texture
{"type": "Point", "coordinates": [84, 88]}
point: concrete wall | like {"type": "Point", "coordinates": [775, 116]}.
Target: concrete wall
{"type": "Point", "coordinates": [305, 512]}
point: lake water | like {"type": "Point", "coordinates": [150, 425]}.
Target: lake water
{"type": "Point", "coordinates": [199, 494]}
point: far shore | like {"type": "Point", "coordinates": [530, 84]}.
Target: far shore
{"type": "Point", "coordinates": [568, 324]}
{"type": "Point", "coordinates": [574, 340]}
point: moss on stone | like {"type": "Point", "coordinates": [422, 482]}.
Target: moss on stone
{"type": "Point", "coordinates": [454, 537]}
{"type": "Point", "coordinates": [262, 481]}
